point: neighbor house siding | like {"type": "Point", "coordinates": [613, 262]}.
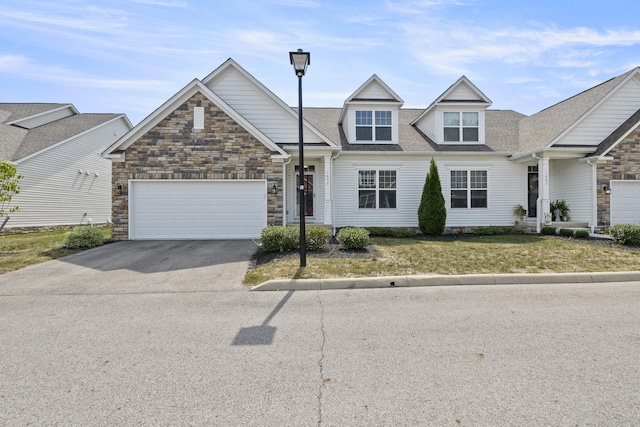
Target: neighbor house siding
{"type": "Point", "coordinates": [613, 112]}
{"type": "Point", "coordinates": [60, 185]}
{"type": "Point", "coordinates": [258, 108]}
{"type": "Point", "coordinates": [43, 119]}
{"type": "Point", "coordinates": [572, 181]}
{"type": "Point", "coordinates": [174, 150]}
{"type": "Point", "coordinates": [507, 186]}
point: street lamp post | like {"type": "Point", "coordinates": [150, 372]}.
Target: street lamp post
{"type": "Point", "coordinates": [300, 61]}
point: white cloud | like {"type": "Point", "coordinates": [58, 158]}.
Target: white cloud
{"type": "Point", "coordinates": [175, 3]}
{"type": "Point", "coordinates": [25, 68]}
{"type": "Point", "coordinates": [449, 51]}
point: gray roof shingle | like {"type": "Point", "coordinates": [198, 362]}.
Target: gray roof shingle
{"type": "Point", "coordinates": [15, 111]}
{"type": "Point", "coordinates": [539, 130]}
{"type": "Point", "coordinates": [501, 132]}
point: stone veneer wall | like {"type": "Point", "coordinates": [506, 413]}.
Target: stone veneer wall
{"type": "Point", "coordinates": [174, 150]}
{"type": "Point", "coordinates": [625, 165]}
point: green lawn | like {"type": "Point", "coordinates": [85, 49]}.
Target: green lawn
{"type": "Point", "coordinates": [21, 250]}
{"type": "Point", "coordinates": [480, 255]}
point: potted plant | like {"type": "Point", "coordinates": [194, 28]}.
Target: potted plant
{"type": "Point", "coordinates": [519, 212]}
{"type": "Point", "coordinates": [562, 208]}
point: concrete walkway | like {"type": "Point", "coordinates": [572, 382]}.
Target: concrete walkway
{"type": "Point", "coordinates": [443, 280]}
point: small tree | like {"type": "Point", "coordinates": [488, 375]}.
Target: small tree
{"type": "Point", "coordinates": [432, 213]}
{"type": "Point", "coordinates": [9, 186]}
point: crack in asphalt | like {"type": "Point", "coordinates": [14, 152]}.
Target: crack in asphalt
{"type": "Point", "coordinates": [321, 361]}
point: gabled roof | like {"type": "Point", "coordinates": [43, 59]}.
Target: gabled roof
{"type": "Point", "coordinates": [544, 128]}
{"type": "Point", "coordinates": [372, 90]}
{"type": "Point", "coordinates": [501, 136]}
{"type": "Point", "coordinates": [384, 92]}
{"type": "Point", "coordinates": [452, 95]}
{"type": "Point", "coordinates": [18, 143]}
{"type": "Point", "coordinates": [171, 105]}
{"type": "Point", "coordinates": [231, 64]}
{"type": "Point", "coordinates": [618, 135]}
{"type": "Point", "coordinates": [10, 112]}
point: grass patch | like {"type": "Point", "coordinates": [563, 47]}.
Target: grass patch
{"type": "Point", "coordinates": [21, 250]}
{"type": "Point", "coordinates": [479, 255]}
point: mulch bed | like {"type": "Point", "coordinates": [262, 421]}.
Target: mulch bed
{"type": "Point", "coordinates": [334, 250]}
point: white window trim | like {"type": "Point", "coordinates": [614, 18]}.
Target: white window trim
{"type": "Point", "coordinates": [377, 169]}
{"type": "Point", "coordinates": [351, 122]}
{"type": "Point", "coordinates": [460, 109]}
{"type": "Point", "coordinates": [468, 169]}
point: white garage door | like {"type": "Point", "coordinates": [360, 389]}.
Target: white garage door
{"type": "Point", "coordinates": [625, 202]}
{"type": "Point", "coordinates": [228, 209]}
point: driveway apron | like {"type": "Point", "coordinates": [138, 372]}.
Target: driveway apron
{"type": "Point", "coordinates": [138, 267]}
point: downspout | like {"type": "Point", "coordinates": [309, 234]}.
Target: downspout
{"type": "Point", "coordinates": [284, 191]}
{"type": "Point", "coordinates": [333, 207]}
{"type": "Point", "coordinates": [594, 195]}
{"type": "Point", "coordinates": [539, 199]}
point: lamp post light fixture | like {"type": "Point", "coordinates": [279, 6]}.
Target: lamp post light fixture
{"type": "Point", "coordinates": [300, 61]}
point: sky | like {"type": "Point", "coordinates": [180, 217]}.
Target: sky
{"type": "Point", "coordinates": [130, 56]}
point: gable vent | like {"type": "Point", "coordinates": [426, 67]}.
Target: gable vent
{"type": "Point", "coordinates": [198, 118]}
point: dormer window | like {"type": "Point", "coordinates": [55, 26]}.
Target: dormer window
{"type": "Point", "coordinates": [461, 126]}
{"type": "Point", "coordinates": [373, 125]}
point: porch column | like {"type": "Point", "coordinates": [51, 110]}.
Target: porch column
{"type": "Point", "coordinates": [545, 206]}
{"type": "Point", "coordinates": [328, 208]}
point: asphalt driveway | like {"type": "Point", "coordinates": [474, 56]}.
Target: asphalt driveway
{"type": "Point", "coordinates": [138, 266]}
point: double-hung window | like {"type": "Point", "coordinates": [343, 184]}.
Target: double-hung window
{"type": "Point", "coordinates": [461, 126]}
{"type": "Point", "coordinates": [377, 189]}
{"type": "Point", "coordinates": [373, 125]}
{"type": "Point", "coordinates": [469, 189]}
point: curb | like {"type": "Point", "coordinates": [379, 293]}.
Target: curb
{"type": "Point", "coordinates": [442, 280]}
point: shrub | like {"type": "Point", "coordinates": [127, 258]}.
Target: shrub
{"type": "Point", "coordinates": [432, 213]}
{"type": "Point", "coordinates": [488, 231]}
{"type": "Point", "coordinates": [353, 237]}
{"type": "Point", "coordinates": [316, 238]}
{"type": "Point", "coordinates": [389, 232]}
{"type": "Point", "coordinates": [581, 234]}
{"type": "Point", "coordinates": [548, 231]}
{"type": "Point", "coordinates": [566, 232]}
{"type": "Point", "coordinates": [626, 234]}
{"type": "Point", "coordinates": [84, 237]}
{"type": "Point", "coordinates": [279, 238]}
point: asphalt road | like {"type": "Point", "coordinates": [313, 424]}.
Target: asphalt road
{"type": "Point", "coordinates": [177, 352]}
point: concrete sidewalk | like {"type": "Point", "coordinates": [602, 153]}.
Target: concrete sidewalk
{"type": "Point", "coordinates": [443, 280]}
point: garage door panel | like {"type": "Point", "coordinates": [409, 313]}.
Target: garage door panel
{"type": "Point", "coordinates": [625, 202]}
{"type": "Point", "coordinates": [197, 209]}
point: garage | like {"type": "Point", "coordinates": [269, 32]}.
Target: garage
{"type": "Point", "coordinates": [197, 209]}
{"type": "Point", "coordinates": [625, 202]}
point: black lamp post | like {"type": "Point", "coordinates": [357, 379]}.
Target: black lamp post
{"type": "Point", "coordinates": [300, 61]}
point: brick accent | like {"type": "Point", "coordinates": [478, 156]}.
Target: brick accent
{"type": "Point", "coordinates": [174, 150]}
{"type": "Point", "coordinates": [625, 165]}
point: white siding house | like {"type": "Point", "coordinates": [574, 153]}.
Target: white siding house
{"type": "Point", "coordinates": [65, 181]}
{"type": "Point", "coordinates": [366, 161]}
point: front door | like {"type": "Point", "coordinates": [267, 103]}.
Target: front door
{"type": "Point", "coordinates": [532, 184]}
{"type": "Point", "coordinates": [309, 195]}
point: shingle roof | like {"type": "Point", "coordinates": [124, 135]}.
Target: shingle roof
{"type": "Point", "coordinates": [501, 132]}
{"type": "Point", "coordinates": [539, 130]}
{"type": "Point", "coordinates": [17, 143]}
{"type": "Point", "coordinates": [629, 124]}
{"type": "Point", "coordinates": [18, 111]}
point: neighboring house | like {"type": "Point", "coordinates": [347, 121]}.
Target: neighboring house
{"type": "Point", "coordinates": [57, 150]}
{"type": "Point", "coordinates": [219, 159]}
